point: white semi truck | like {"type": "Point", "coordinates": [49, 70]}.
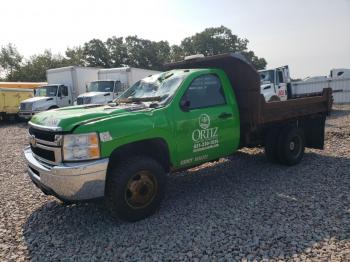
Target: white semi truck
{"type": "Point", "coordinates": [64, 86]}
{"type": "Point", "coordinates": [275, 83]}
{"type": "Point", "coordinates": [111, 83]}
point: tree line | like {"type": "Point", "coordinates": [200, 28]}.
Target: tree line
{"type": "Point", "coordinates": [129, 51]}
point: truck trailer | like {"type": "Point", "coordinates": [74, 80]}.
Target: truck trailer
{"type": "Point", "coordinates": [338, 80]}
{"type": "Point", "coordinates": [198, 111]}
{"type": "Point", "coordinates": [111, 83]}
{"type": "Point", "coordinates": [64, 86]}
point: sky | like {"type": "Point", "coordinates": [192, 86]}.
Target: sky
{"type": "Point", "coordinates": [311, 36]}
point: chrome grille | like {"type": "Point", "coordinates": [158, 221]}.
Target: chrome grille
{"type": "Point", "coordinates": [80, 100]}
{"type": "Point", "coordinates": [42, 135]}
{"type": "Point", "coordinates": [83, 100]}
{"type": "Point", "coordinates": [26, 106]}
{"type": "Point", "coordinates": [43, 153]}
{"type": "Point", "coordinates": [46, 145]}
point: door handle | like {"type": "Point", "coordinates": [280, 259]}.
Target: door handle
{"type": "Point", "coordinates": [225, 115]}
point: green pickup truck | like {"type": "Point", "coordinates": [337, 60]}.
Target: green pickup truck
{"type": "Point", "coordinates": [198, 111]}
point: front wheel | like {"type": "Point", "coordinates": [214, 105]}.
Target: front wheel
{"type": "Point", "coordinates": [135, 188]}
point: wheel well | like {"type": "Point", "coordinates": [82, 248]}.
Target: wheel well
{"type": "Point", "coordinates": [156, 148]}
{"type": "Point", "coordinates": [52, 107]}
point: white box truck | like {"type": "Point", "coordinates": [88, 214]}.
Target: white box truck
{"type": "Point", "coordinates": [64, 86]}
{"type": "Point", "coordinates": [111, 83]}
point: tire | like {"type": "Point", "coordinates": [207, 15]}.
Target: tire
{"type": "Point", "coordinates": [271, 145]}
{"type": "Point", "coordinates": [291, 146]}
{"type": "Point", "coordinates": [53, 107]}
{"type": "Point", "coordinates": [135, 188]}
{"type": "Point", "coordinates": [274, 99]}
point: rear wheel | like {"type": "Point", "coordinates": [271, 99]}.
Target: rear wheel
{"type": "Point", "coordinates": [135, 188]}
{"type": "Point", "coordinates": [291, 146]}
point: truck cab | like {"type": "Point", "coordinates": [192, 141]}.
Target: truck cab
{"type": "Point", "coordinates": [101, 92]}
{"type": "Point", "coordinates": [275, 83]}
{"type": "Point", "coordinates": [46, 98]}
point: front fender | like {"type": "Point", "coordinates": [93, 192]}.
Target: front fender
{"type": "Point", "coordinates": [129, 128]}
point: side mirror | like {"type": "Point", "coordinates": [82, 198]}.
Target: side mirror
{"type": "Point", "coordinates": [185, 105]}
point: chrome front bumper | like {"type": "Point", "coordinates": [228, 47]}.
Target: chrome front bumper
{"type": "Point", "coordinates": [27, 114]}
{"type": "Point", "coordinates": [69, 181]}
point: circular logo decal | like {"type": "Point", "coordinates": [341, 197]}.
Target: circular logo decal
{"type": "Point", "coordinates": [204, 121]}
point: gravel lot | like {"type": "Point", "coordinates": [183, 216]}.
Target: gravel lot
{"type": "Point", "coordinates": [240, 208]}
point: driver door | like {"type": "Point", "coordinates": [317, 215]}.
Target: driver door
{"type": "Point", "coordinates": [205, 124]}
{"type": "Point", "coordinates": [63, 96]}
{"type": "Point", "coordinates": [281, 84]}
{"type": "Point", "coordinates": [117, 89]}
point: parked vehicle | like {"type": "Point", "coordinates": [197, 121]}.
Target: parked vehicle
{"type": "Point", "coordinates": [100, 92]}
{"type": "Point", "coordinates": [64, 85]}
{"type": "Point", "coordinates": [23, 85]}
{"type": "Point", "coordinates": [112, 82]}
{"type": "Point", "coordinates": [340, 73]}
{"type": "Point", "coordinates": [338, 80]}
{"type": "Point", "coordinates": [198, 111]}
{"type": "Point", "coordinates": [10, 99]}
{"type": "Point", "coordinates": [11, 95]}
{"type": "Point", "coordinates": [275, 83]}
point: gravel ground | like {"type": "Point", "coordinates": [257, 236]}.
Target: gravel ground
{"type": "Point", "coordinates": [240, 208]}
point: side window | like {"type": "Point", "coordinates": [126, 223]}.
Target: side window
{"type": "Point", "coordinates": [204, 91]}
{"type": "Point", "coordinates": [63, 91]}
{"type": "Point", "coordinates": [280, 77]}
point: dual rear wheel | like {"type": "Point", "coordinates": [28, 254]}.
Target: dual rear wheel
{"type": "Point", "coordinates": [285, 145]}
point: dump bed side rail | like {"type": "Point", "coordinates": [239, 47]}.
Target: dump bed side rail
{"type": "Point", "coordinates": [295, 108]}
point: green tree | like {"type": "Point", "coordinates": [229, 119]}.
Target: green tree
{"type": "Point", "coordinates": [76, 56]}
{"type": "Point", "coordinates": [137, 51]}
{"type": "Point", "coordinates": [10, 60]}
{"type": "Point", "coordinates": [159, 54]}
{"type": "Point", "coordinates": [148, 54]}
{"type": "Point", "coordinates": [131, 51]}
{"type": "Point", "coordinates": [35, 68]}
{"type": "Point", "coordinates": [217, 40]}
{"type": "Point", "coordinates": [176, 53]}
{"type": "Point", "coordinates": [117, 51]}
{"type": "Point", "coordinates": [96, 53]}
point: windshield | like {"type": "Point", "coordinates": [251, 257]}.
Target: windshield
{"type": "Point", "coordinates": [101, 86]}
{"type": "Point", "coordinates": [160, 87]}
{"type": "Point", "coordinates": [267, 76]}
{"type": "Point", "coordinates": [50, 91]}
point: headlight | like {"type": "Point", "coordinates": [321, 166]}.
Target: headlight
{"type": "Point", "coordinates": [81, 147]}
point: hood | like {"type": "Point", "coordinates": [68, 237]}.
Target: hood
{"type": "Point", "coordinates": [69, 117]}
{"type": "Point", "coordinates": [37, 99]}
{"type": "Point", "coordinates": [91, 94]}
